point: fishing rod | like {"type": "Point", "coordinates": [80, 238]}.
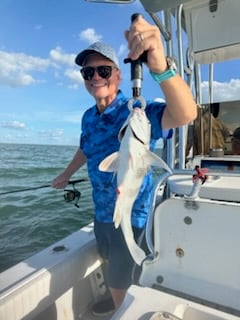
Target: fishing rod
{"type": "Point", "coordinates": [72, 182]}
{"type": "Point", "coordinates": [69, 195]}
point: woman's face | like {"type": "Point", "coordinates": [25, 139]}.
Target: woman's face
{"type": "Point", "coordinates": [103, 90]}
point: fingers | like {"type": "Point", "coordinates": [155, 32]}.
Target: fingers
{"type": "Point", "coordinates": [144, 37]}
{"type": "Point", "coordinates": [141, 41]}
{"type": "Point", "coordinates": [141, 37]}
{"type": "Point", "coordinates": [59, 183]}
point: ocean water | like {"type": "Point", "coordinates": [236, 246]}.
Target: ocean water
{"type": "Point", "coordinates": [34, 219]}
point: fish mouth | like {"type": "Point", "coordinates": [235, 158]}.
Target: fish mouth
{"type": "Point", "coordinates": [136, 137]}
{"type": "Point", "coordinates": [122, 133]}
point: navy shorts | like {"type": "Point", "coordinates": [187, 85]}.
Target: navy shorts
{"type": "Point", "coordinates": [112, 247]}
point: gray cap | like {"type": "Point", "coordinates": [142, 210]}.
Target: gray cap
{"type": "Point", "coordinates": [98, 47]}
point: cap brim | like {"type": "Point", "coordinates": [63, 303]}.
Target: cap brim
{"type": "Point", "coordinates": [82, 55]}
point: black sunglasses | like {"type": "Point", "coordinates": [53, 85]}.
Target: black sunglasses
{"type": "Point", "coordinates": [104, 72]}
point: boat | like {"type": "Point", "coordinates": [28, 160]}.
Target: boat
{"type": "Point", "coordinates": [192, 232]}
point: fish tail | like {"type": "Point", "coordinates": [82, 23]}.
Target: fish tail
{"type": "Point", "coordinates": [136, 252]}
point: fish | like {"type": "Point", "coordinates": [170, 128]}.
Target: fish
{"type": "Point", "coordinates": [131, 163]}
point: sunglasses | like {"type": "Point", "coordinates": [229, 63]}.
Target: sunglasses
{"type": "Point", "coordinates": [104, 72]}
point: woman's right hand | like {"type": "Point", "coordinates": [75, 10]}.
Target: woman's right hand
{"type": "Point", "coordinates": [61, 181]}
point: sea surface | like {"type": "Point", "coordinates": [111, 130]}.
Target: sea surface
{"type": "Point", "coordinates": [34, 219]}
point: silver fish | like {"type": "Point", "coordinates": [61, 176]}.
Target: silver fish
{"type": "Point", "coordinates": [131, 164]}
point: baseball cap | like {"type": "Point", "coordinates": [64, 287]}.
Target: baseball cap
{"type": "Point", "coordinates": [98, 47]}
{"type": "Point", "coordinates": [236, 133]}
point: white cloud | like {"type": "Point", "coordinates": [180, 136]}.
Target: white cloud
{"type": "Point", "coordinates": [53, 134]}
{"type": "Point", "coordinates": [57, 55]}
{"type": "Point", "coordinates": [90, 35]}
{"type": "Point", "coordinates": [222, 91]}
{"type": "Point", "coordinates": [20, 61]}
{"type": "Point", "coordinates": [73, 86]}
{"type": "Point", "coordinates": [122, 50]}
{"type": "Point", "coordinates": [13, 125]}
{"type": "Point", "coordinates": [74, 75]}
{"type": "Point", "coordinates": [160, 100]}
{"type": "Point", "coordinates": [15, 68]}
{"type": "Point", "coordinates": [18, 80]}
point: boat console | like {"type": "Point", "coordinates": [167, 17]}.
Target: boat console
{"type": "Point", "coordinates": [225, 164]}
{"type": "Point", "coordinates": [227, 177]}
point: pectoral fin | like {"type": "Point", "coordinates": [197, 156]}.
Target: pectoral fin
{"type": "Point", "coordinates": [110, 163]}
{"type": "Point", "coordinates": [154, 160]}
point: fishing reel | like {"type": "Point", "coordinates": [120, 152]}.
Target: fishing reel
{"type": "Point", "coordinates": [71, 195]}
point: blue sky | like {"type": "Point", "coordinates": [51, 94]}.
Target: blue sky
{"type": "Point", "coordinates": [42, 96]}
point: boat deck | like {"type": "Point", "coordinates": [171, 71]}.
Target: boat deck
{"type": "Point", "coordinates": [144, 303]}
{"type": "Point", "coordinates": [90, 316]}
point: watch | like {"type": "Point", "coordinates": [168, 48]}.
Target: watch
{"type": "Point", "coordinates": [169, 73]}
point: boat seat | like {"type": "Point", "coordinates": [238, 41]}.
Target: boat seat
{"type": "Point", "coordinates": [196, 251]}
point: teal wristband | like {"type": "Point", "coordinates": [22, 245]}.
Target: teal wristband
{"type": "Point", "coordinates": [160, 77]}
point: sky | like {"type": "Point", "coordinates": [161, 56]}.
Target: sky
{"type": "Point", "coordinates": [42, 94]}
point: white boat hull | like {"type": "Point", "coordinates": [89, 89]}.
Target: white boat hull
{"type": "Point", "coordinates": [57, 283]}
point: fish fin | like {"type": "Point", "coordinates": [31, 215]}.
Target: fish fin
{"type": "Point", "coordinates": [110, 163]}
{"type": "Point", "coordinates": [155, 160]}
{"type": "Point", "coordinates": [136, 252]}
{"type": "Point", "coordinates": [117, 217]}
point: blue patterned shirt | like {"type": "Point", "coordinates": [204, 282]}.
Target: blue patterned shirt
{"type": "Point", "coordinates": [99, 138]}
